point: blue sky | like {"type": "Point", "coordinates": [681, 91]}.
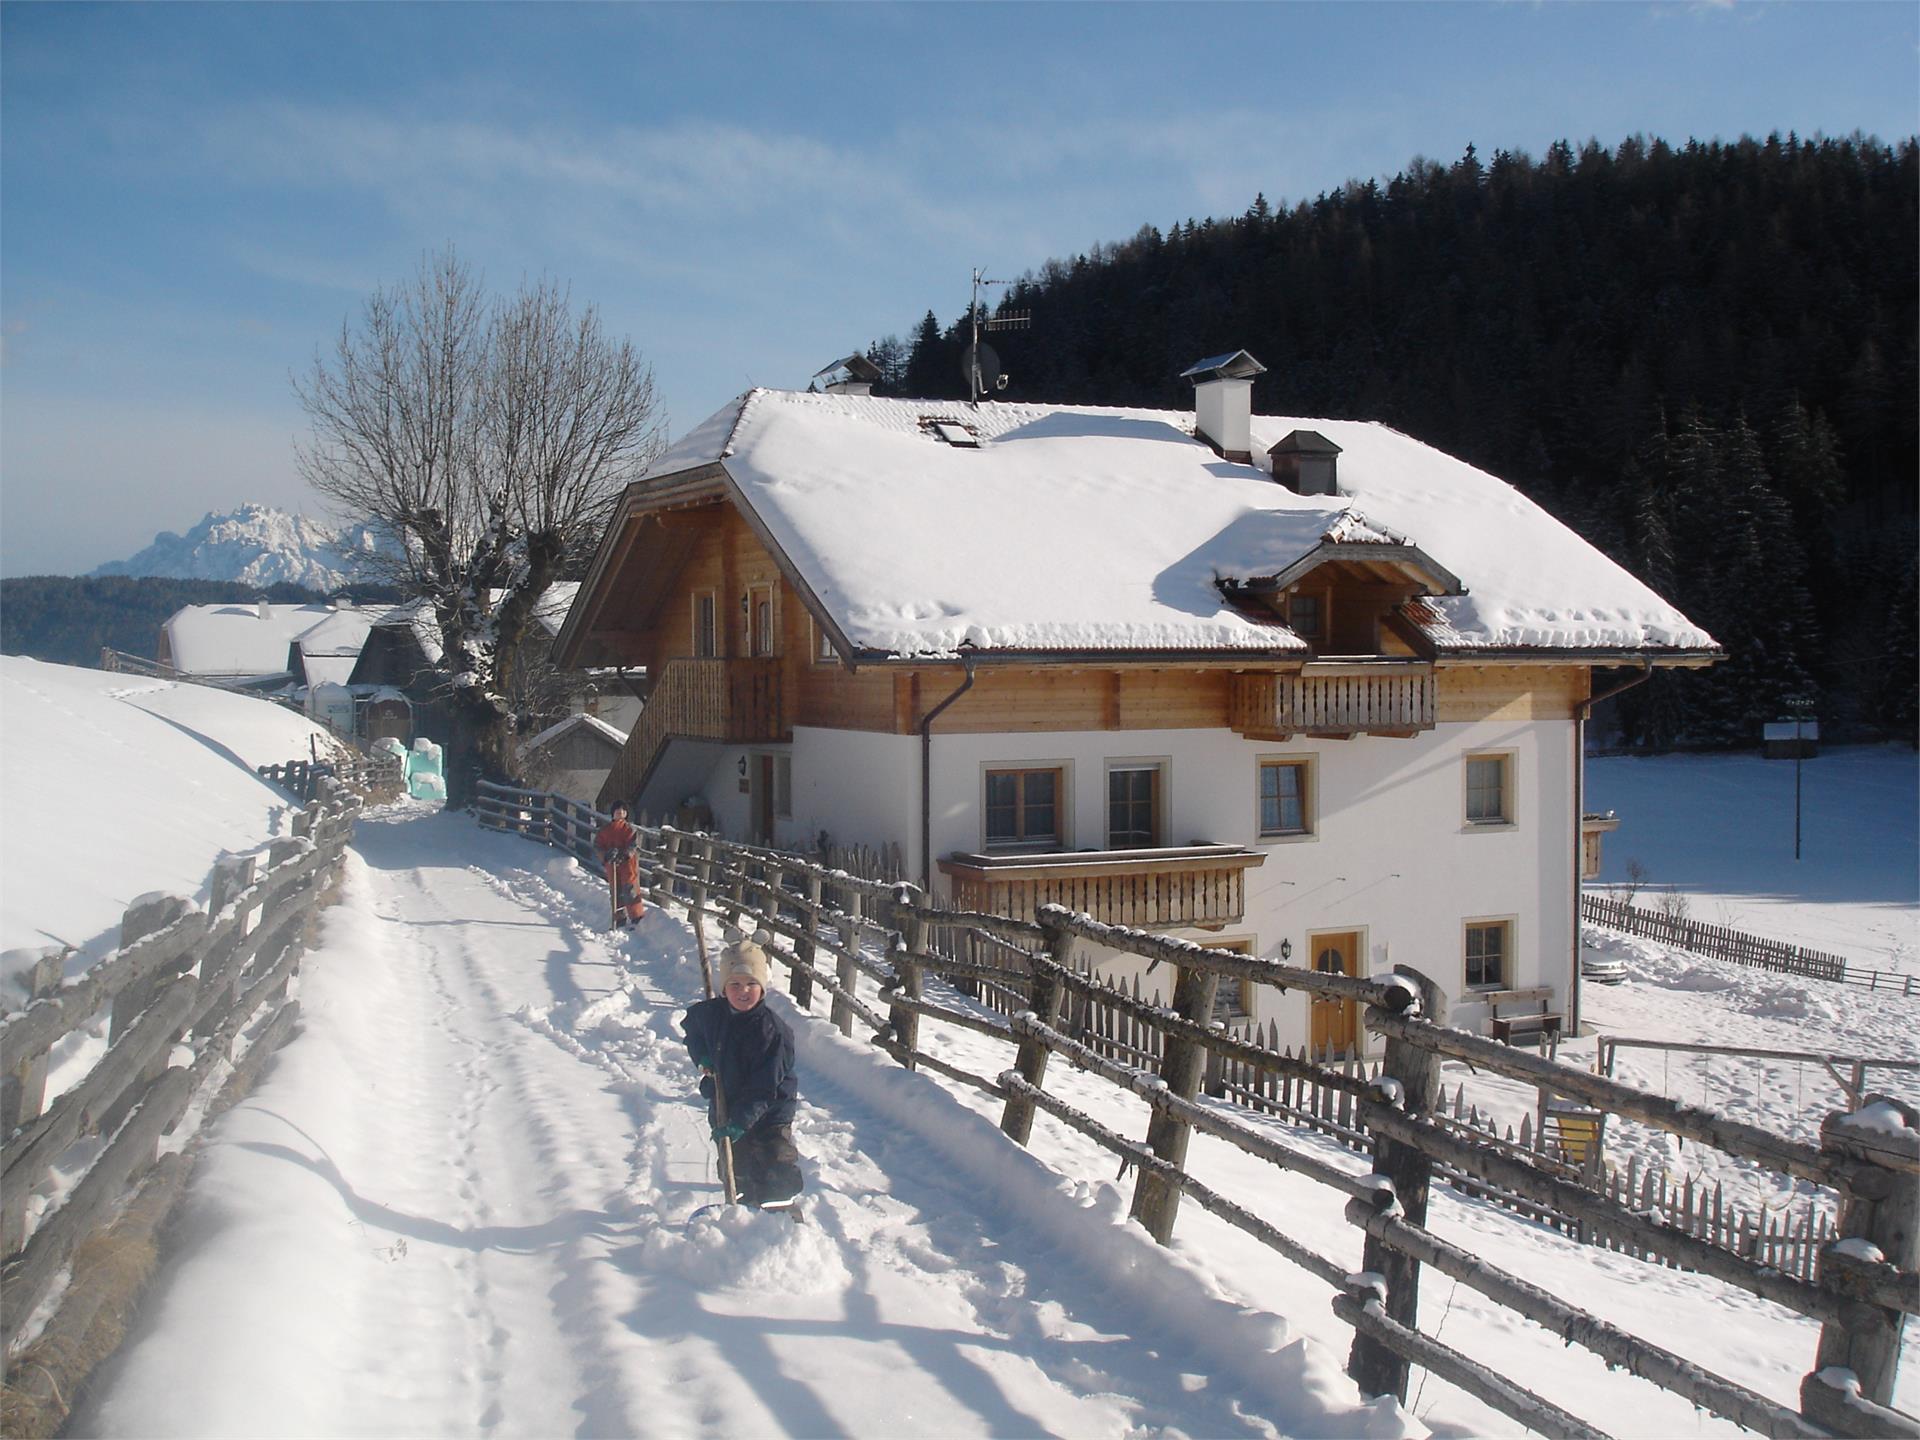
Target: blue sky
{"type": "Point", "coordinates": [193, 198]}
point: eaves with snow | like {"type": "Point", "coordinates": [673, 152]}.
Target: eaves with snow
{"type": "Point", "coordinates": [1067, 529]}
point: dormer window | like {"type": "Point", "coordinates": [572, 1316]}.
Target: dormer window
{"type": "Point", "coordinates": [1307, 616]}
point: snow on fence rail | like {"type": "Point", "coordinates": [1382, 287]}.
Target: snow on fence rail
{"type": "Point", "coordinates": [1720, 942]}
{"type": "Point", "coordinates": [1864, 1286]}
{"type": "Point", "coordinates": [181, 978]}
{"type": "Point", "coordinates": [364, 772]}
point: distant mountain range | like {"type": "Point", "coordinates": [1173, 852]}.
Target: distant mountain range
{"type": "Point", "coordinates": [255, 545]}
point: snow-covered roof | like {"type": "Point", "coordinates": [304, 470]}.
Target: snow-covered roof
{"type": "Point", "coordinates": [1087, 528]}
{"type": "Point", "coordinates": [560, 727]}
{"type": "Point", "coordinates": [238, 640]}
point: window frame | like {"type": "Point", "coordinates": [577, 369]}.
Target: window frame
{"type": "Point", "coordinates": [711, 651]}
{"type": "Point", "coordinates": [1324, 600]}
{"type": "Point", "coordinates": [1509, 798]}
{"type": "Point", "coordinates": [758, 594]}
{"type": "Point", "coordinates": [1508, 927]}
{"type": "Point", "coordinates": [823, 651]}
{"type": "Point", "coordinates": [1062, 837]}
{"type": "Point", "coordinates": [1157, 766]}
{"type": "Point", "coordinates": [1309, 766]}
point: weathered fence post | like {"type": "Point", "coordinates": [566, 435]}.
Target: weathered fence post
{"type": "Point", "coordinates": [1409, 1081]}
{"type": "Point", "coordinates": [847, 971]}
{"type": "Point", "coordinates": [1016, 1120]}
{"type": "Point", "coordinates": [806, 949]}
{"type": "Point", "coordinates": [1881, 1208]}
{"type": "Point", "coordinates": [231, 877]}
{"type": "Point", "coordinates": [1156, 1199]}
{"type": "Point", "coordinates": [912, 921]}
{"type": "Point", "coordinates": [147, 914]}
{"type": "Point", "coordinates": [23, 1090]}
{"type": "Point", "coordinates": [672, 838]}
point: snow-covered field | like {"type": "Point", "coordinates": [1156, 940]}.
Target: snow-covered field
{"type": "Point", "coordinates": [458, 1201]}
{"type": "Point", "coordinates": [1718, 829]}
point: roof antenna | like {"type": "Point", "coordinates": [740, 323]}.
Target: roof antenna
{"type": "Point", "coordinates": [980, 365]}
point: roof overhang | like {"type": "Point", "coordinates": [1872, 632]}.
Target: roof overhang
{"type": "Point", "coordinates": [1598, 657]}
{"type": "Point", "coordinates": [1408, 561]}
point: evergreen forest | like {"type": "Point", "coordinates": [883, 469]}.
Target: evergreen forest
{"type": "Point", "coordinates": [1701, 357]}
{"type": "Point", "coordinates": [68, 619]}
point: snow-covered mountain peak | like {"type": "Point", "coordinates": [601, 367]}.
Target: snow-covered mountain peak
{"type": "Point", "coordinates": [255, 545]}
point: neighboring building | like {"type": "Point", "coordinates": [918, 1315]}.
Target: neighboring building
{"type": "Point", "coordinates": [238, 644]}
{"type": "Point", "coordinates": [572, 757]}
{"type": "Point", "coordinates": [399, 689]}
{"type": "Point", "coordinates": [1301, 687]}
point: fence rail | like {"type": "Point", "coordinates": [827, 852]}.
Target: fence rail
{"type": "Point", "coordinates": [974, 970]}
{"type": "Point", "coordinates": [1720, 942]}
{"type": "Point", "coordinates": [213, 981]}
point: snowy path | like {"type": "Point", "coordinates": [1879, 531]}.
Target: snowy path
{"type": "Point", "coordinates": [456, 1207]}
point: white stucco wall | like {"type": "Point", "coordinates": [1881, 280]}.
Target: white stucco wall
{"type": "Point", "coordinates": [1391, 855]}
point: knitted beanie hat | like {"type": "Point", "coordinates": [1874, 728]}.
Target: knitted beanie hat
{"type": "Point", "coordinates": [746, 960]}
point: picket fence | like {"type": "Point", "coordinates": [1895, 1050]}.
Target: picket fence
{"type": "Point", "coordinates": [887, 961]}
{"type": "Point", "coordinates": [212, 982]}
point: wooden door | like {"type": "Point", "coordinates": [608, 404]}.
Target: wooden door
{"type": "Point", "coordinates": [763, 799]}
{"type": "Point", "coordinates": [1335, 1024]}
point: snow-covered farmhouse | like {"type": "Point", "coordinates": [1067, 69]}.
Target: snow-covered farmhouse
{"type": "Point", "coordinates": [1305, 688]}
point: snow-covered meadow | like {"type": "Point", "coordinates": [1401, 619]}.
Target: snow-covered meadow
{"type": "Point", "coordinates": [465, 1183]}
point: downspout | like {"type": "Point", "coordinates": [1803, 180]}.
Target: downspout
{"type": "Point", "coordinates": [926, 778]}
{"type": "Point", "coordinates": [1582, 711]}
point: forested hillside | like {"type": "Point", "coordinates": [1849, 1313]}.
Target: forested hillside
{"type": "Point", "coordinates": [67, 620]}
{"type": "Point", "coordinates": [1701, 357]}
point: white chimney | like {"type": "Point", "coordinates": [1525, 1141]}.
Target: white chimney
{"type": "Point", "coordinates": [1223, 403]}
{"type": "Point", "coordinates": [266, 611]}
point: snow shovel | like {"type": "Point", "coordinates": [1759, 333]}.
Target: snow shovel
{"type": "Point", "coordinates": [613, 888]}
{"type": "Point", "coordinates": [719, 1095]}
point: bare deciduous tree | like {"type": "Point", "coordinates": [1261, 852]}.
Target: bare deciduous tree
{"type": "Point", "coordinates": [490, 438]}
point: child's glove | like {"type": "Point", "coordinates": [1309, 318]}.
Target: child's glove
{"type": "Point", "coordinates": [729, 1131]}
{"type": "Point", "coordinates": [706, 1086]}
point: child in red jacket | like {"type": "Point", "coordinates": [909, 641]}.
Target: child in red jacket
{"type": "Point", "coordinates": [617, 843]}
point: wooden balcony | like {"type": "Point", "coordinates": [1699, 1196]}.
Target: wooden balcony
{"type": "Point", "coordinates": [732, 701]}
{"type": "Point", "coordinates": [1195, 885]}
{"type": "Point", "coordinates": [1384, 699]}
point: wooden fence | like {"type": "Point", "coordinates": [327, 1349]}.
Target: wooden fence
{"type": "Point", "coordinates": [213, 981]}
{"type": "Point", "coordinates": [1719, 942]}
{"type": "Point", "coordinates": [834, 921]}
{"type": "Point", "coordinates": [372, 773]}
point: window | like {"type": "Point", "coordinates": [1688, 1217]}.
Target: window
{"type": "Point", "coordinates": [1306, 616]}
{"type": "Point", "coordinates": [703, 626]}
{"type": "Point", "coordinates": [783, 787]}
{"type": "Point", "coordinates": [1286, 798]}
{"type": "Point", "coordinates": [1233, 1000]}
{"type": "Point", "coordinates": [1489, 946]}
{"type": "Point", "coordinates": [823, 651]}
{"type": "Point", "coordinates": [1490, 789]}
{"type": "Point", "coordinates": [760, 635]}
{"type": "Point", "coordinates": [1023, 809]}
{"type": "Point", "coordinates": [1133, 807]}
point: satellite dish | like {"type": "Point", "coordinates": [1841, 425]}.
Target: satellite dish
{"type": "Point", "coordinates": [980, 368]}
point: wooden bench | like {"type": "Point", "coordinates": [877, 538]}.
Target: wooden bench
{"type": "Point", "coordinates": [1526, 1013]}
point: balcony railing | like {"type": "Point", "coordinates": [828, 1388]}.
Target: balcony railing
{"type": "Point", "coordinates": [1370, 700]}
{"type": "Point", "coordinates": [737, 701]}
{"type": "Point", "coordinates": [1195, 885]}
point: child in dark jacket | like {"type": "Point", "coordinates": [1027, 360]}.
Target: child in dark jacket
{"type": "Point", "coordinates": [735, 1038]}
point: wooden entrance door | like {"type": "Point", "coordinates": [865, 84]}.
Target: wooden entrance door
{"type": "Point", "coordinates": [763, 799]}
{"type": "Point", "coordinates": [1335, 1024]}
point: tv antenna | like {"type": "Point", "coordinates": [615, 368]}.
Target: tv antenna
{"type": "Point", "coordinates": [980, 365]}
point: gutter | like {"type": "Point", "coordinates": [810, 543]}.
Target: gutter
{"type": "Point", "coordinates": [926, 779]}
{"type": "Point", "coordinates": [1582, 711]}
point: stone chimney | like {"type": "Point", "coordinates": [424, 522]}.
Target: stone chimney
{"type": "Point", "coordinates": [1306, 463]}
{"type": "Point", "coordinates": [1223, 403]}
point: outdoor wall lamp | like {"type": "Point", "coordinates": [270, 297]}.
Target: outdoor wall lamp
{"type": "Point", "coordinates": [1286, 949]}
